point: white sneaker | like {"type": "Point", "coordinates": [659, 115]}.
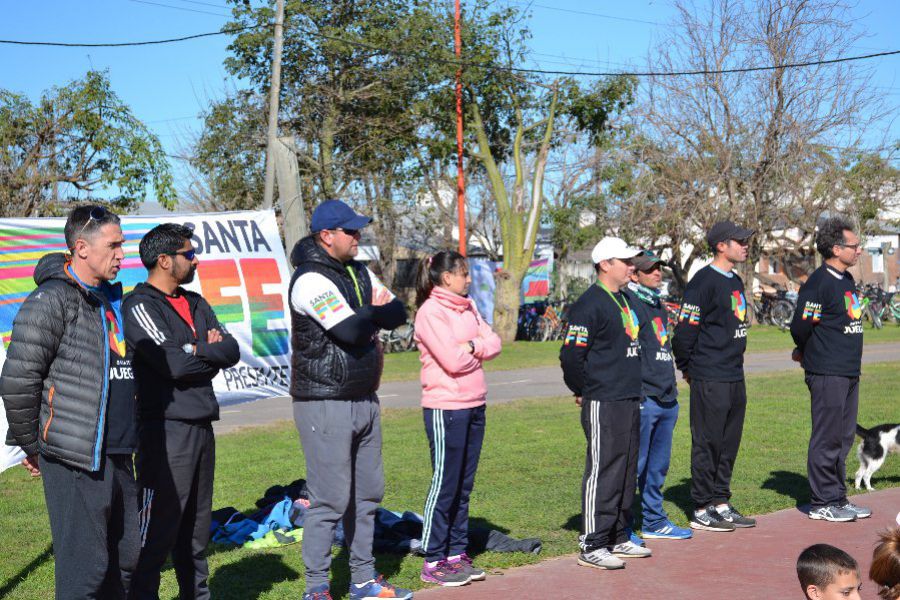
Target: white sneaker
{"type": "Point", "coordinates": [601, 558]}
{"type": "Point", "coordinates": [835, 514]}
{"type": "Point", "coordinates": [631, 550]}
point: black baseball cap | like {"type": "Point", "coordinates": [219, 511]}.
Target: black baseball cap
{"type": "Point", "coordinates": [334, 214]}
{"type": "Point", "coordinates": [726, 230]}
{"type": "Point", "coordinates": [646, 260]}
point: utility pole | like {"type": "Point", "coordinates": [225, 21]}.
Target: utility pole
{"type": "Point", "coordinates": [274, 92]}
{"type": "Point", "coordinates": [460, 177]}
{"type": "Point", "coordinates": [292, 213]}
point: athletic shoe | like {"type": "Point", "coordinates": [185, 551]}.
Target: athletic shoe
{"type": "Point", "coordinates": [710, 520]}
{"type": "Point", "coordinates": [318, 593]}
{"type": "Point", "coordinates": [835, 514]}
{"type": "Point", "coordinates": [667, 531]}
{"type": "Point", "coordinates": [732, 515]}
{"type": "Point", "coordinates": [861, 513]}
{"type": "Point", "coordinates": [634, 539]}
{"type": "Point", "coordinates": [464, 565]}
{"type": "Point", "coordinates": [631, 550]}
{"type": "Point", "coordinates": [601, 558]}
{"type": "Point", "coordinates": [378, 588]}
{"type": "Point", "coordinates": [443, 573]}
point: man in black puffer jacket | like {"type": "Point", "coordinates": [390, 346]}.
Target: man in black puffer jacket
{"type": "Point", "coordinates": [68, 390]}
{"type": "Point", "coordinates": [337, 308]}
{"type": "Point", "coordinates": [179, 347]}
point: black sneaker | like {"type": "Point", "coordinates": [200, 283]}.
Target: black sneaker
{"type": "Point", "coordinates": [734, 517]}
{"type": "Point", "coordinates": [710, 520]}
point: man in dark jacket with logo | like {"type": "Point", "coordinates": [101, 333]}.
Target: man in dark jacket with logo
{"type": "Point", "coordinates": [179, 347]}
{"type": "Point", "coordinates": [68, 390]}
{"type": "Point", "coordinates": [337, 308]}
{"type": "Point", "coordinates": [659, 402]}
{"type": "Point", "coordinates": [829, 335]}
{"type": "Point", "coordinates": [709, 344]}
{"type": "Point", "coordinates": [601, 364]}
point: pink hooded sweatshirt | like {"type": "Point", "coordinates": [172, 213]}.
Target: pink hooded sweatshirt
{"type": "Point", "coordinates": [452, 378]}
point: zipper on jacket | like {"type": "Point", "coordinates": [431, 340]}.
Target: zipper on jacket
{"type": "Point", "coordinates": [50, 418]}
{"type": "Point", "coordinates": [98, 443]}
{"type": "Point", "coordinates": [355, 285]}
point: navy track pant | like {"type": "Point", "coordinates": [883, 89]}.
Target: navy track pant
{"type": "Point", "coordinates": [455, 438]}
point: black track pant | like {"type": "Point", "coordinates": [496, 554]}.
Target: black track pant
{"type": "Point", "coordinates": [175, 464]}
{"type": "Point", "coordinates": [613, 431]}
{"type": "Point", "coordinates": [94, 524]}
{"type": "Point", "coordinates": [835, 401]}
{"type": "Point", "coordinates": [717, 422]}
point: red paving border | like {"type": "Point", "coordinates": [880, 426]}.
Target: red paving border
{"type": "Point", "coordinates": [752, 564]}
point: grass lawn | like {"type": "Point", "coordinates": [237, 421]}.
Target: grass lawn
{"type": "Point", "coordinates": [404, 366]}
{"type": "Point", "coordinates": [528, 484]}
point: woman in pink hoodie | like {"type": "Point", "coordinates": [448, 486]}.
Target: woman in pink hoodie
{"type": "Point", "coordinates": [453, 343]}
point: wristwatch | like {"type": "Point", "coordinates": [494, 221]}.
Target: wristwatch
{"type": "Point", "coordinates": [188, 348]}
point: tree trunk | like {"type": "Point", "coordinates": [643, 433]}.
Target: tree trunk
{"type": "Point", "coordinates": [507, 299]}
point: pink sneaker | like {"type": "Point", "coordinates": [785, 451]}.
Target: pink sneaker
{"type": "Point", "coordinates": [443, 573]}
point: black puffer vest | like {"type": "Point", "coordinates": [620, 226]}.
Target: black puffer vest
{"type": "Point", "coordinates": [322, 368]}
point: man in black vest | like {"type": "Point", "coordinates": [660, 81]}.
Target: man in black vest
{"type": "Point", "coordinates": [829, 337]}
{"type": "Point", "coordinates": [337, 308]}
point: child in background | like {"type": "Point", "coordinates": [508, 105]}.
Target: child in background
{"type": "Point", "coordinates": [828, 573]}
{"type": "Point", "coordinates": [885, 569]}
{"type": "Point", "coordinates": [453, 343]}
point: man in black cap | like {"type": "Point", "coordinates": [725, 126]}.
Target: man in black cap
{"type": "Point", "coordinates": [709, 344]}
{"type": "Point", "coordinates": [337, 308]}
{"type": "Point", "coordinates": [659, 397]}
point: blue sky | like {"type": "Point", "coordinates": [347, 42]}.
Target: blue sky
{"type": "Point", "coordinates": [168, 85]}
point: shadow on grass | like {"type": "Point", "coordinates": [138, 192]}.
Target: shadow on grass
{"type": "Point", "coordinates": [679, 494]}
{"type": "Point", "coordinates": [26, 570]}
{"type": "Point", "coordinates": [790, 484]}
{"type": "Point", "coordinates": [250, 577]}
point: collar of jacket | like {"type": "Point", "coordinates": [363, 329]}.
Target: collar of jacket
{"type": "Point", "coordinates": [145, 289]}
{"type": "Point", "coordinates": [450, 300]}
{"type": "Point", "coordinates": [645, 294]}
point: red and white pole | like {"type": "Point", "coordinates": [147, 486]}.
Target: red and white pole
{"type": "Point", "coordinates": [460, 177]}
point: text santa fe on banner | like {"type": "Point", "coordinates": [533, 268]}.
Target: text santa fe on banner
{"type": "Point", "coordinates": [242, 273]}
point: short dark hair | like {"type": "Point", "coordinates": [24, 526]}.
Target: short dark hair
{"type": "Point", "coordinates": [167, 238]}
{"type": "Point", "coordinates": [819, 564]}
{"type": "Point", "coordinates": [831, 234]}
{"type": "Point", "coordinates": [85, 221]}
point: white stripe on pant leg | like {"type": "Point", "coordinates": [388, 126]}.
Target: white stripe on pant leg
{"type": "Point", "coordinates": [145, 515]}
{"type": "Point", "coordinates": [437, 426]}
{"type": "Point", "coordinates": [591, 491]}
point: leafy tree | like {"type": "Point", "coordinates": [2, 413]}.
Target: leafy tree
{"type": "Point", "coordinates": [77, 140]}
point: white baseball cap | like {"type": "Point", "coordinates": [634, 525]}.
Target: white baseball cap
{"type": "Point", "coordinates": [612, 247]}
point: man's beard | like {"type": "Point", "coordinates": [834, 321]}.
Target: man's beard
{"type": "Point", "coordinates": [189, 276]}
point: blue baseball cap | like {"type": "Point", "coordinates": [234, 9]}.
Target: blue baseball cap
{"type": "Point", "coordinates": [335, 214]}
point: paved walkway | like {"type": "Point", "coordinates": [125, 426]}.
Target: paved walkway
{"type": "Point", "coordinates": [503, 386]}
{"type": "Point", "coordinates": [751, 564]}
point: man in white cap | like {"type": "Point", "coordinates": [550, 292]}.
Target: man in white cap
{"type": "Point", "coordinates": [601, 364]}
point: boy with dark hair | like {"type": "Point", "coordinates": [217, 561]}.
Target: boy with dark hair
{"type": "Point", "coordinates": [828, 333]}
{"type": "Point", "coordinates": [709, 344]}
{"type": "Point", "coordinates": [179, 347]}
{"type": "Point", "coordinates": [828, 573]}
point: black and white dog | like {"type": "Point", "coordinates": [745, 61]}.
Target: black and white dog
{"type": "Point", "coordinates": [874, 447]}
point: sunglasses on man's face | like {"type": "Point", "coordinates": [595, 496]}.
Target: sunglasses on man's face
{"type": "Point", "coordinates": [188, 254]}
{"type": "Point", "coordinates": [350, 232]}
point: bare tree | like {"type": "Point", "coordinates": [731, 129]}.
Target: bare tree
{"type": "Point", "coordinates": [756, 144]}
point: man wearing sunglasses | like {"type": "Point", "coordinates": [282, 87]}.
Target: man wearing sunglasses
{"type": "Point", "coordinates": [828, 333]}
{"type": "Point", "coordinates": [179, 347]}
{"type": "Point", "coordinates": [337, 309]}
{"type": "Point", "coordinates": [68, 390]}
{"type": "Point", "coordinates": [709, 343]}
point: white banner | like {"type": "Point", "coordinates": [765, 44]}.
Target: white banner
{"type": "Point", "coordinates": [243, 274]}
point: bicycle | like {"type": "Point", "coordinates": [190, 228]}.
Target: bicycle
{"type": "Point", "coordinates": [401, 339]}
{"type": "Point", "coordinates": [775, 308]}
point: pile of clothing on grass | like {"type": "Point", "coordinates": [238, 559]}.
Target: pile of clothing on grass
{"type": "Point", "coordinates": [282, 511]}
